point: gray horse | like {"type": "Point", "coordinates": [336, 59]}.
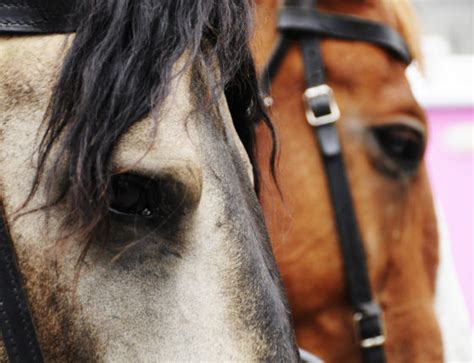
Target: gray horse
{"type": "Point", "coordinates": [126, 179]}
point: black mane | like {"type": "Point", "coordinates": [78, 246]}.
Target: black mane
{"type": "Point", "coordinates": [118, 69]}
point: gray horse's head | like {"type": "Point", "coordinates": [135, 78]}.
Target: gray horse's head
{"type": "Point", "coordinates": [126, 182]}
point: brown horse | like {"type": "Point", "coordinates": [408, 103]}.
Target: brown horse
{"type": "Point", "coordinates": [393, 202]}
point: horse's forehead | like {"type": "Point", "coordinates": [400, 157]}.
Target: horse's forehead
{"type": "Point", "coordinates": [32, 63]}
{"type": "Point", "coordinates": [29, 66]}
{"type": "Point", "coordinates": [167, 131]}
{"type": "Point", "coordinates": [170, 138]}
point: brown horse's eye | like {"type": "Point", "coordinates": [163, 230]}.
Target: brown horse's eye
{"type": "Point", "coordinates": [402, 147]}
{"type": "Point", "coordinates": [129, 195]}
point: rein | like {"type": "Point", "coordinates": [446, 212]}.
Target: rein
{"type": "Point", "coordinates": [300, 23]}
{"type": "Point", "coordinates": [16, 322]}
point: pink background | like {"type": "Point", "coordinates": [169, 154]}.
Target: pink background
{"type": "Point", "coordinates": [451, 172]}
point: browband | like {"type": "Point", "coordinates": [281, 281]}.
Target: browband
{"type": "Point", "coordinates": [313, 22]}
{"type": "Point", "coordinates": [37, 16]}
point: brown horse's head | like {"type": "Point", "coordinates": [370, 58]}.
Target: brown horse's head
{"type": "Point", "coordinates": [384, 134]}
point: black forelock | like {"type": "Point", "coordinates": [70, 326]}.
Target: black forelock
{"type": "Point", "coordinates": [119, 68]}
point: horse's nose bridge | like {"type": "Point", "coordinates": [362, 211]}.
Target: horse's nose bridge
{"type": "Point", "coordinates": [256, 304]}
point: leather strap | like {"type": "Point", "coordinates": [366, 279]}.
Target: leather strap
{"type": "Point", "coordinates": [18, 331]}
{"type": "Point", "coordinates": [310, 21]}
{"type": "Point", "coordinates": [37, 16]}
{"type": "Point", "coordinates": [369, 321]}
{"type": "Point", "coordinates": [271, 68]}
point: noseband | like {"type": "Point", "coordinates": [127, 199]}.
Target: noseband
{"type": "Point", "coordinates": [300, 23]}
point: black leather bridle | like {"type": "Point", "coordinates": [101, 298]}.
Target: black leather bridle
{"type": "Point", "coordinates": [17, 327]}
{"type": "Point", "coordinates": [300, 23]}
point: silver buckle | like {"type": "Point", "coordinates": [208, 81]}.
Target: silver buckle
{"type": "Point", "coordinates": [268, 101]}
{"type": "Point", "coordinates": [307, 357]}
{"type": "Point", "coordinates": [315, 92]}
{"type": "Point", "coordinates": [371, 342]}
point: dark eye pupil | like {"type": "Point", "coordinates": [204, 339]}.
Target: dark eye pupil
{"type": "Point", "coordinates": [128, 196]}
{"type": "Point", "coordinates": [398, 146]}
{"type": "Point", "coordinates": [401, 148]}
{"type": "Point", "coordinates": [402, 144]}
{"type": "Point", "coordinates": [135, 198]}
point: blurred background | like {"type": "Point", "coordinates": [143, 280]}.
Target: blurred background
{"type": "Point", "coordinates": [446, 90]}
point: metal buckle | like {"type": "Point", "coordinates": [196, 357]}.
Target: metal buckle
{"type": "Point", "coordinates": [315, 92]}
{"type": "Point", "coordinates": [268, 101]}
{"type": "Point", "coordinates": [307, 357]}
{"type": "Point", "coordinates": [372, 312]}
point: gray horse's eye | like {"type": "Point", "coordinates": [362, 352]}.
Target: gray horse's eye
{"type": "Point", "coordinates": [130, 195]}
{"type": "Point", "coordinates": [161, 198]}
{"type": "Point", "coordinates": [402, 146]}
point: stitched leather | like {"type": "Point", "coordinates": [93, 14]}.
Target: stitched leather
{"type": "Point", "coordinates": [37, 16]}
{"type": "Point", "coordinates": [271, 68]}
{"type": "Point", "coordinates": [346, 27]}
